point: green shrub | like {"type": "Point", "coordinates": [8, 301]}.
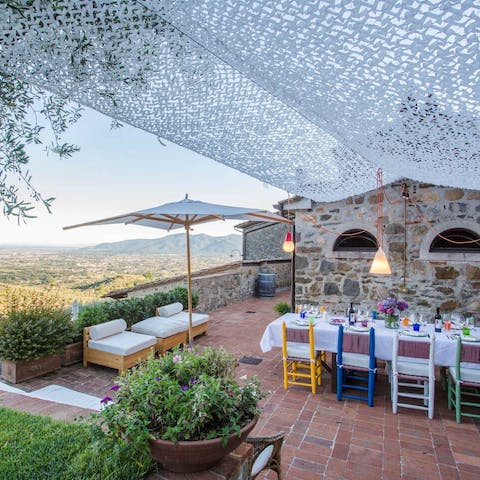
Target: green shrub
{"type": "Point", "coordinates": [28, 335]}
{"type": "Point", "coordinates": [180, 294]}
{"type": "Point", "coordinates": [39, 448]}
{"type": "Point", "coordinates": [282, 307]}
{"type": "Point", "coordinates": [132, 310]}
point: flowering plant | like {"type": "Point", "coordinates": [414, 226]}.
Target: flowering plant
{"type": "Point", "coordinates": [390, 305]}
{"type": "Point", "coordinates": [184, 395]}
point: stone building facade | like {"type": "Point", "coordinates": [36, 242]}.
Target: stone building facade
{"type": "Point", "coordinates": [426, 280]}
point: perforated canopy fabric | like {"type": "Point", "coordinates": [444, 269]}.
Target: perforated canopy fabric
{"type": "Point", "coordinates": [309, 96]}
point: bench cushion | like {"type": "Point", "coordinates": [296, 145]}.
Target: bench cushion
{"type": "Point", "coordinates": [159, 327]}
{"type": "Point", "coordinates": [107, 329]}
{"type": "Point", "coordinates": [197, 318]}
{"type": "Point", "coordinates": [124, 343]}
{"type": "Point", "coordinates": [169, 310]}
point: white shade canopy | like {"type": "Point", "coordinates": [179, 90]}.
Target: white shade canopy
{"type": "Point", "coordinates": [186, 212]}
{"type": "Point", "coordinates": [311, 97]}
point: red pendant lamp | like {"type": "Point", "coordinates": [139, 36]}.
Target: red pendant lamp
{"type": "Point", "coordinates": [288, 245]}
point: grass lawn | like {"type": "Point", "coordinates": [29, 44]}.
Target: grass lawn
{"type": "Point", "coordinates": [36, 448]}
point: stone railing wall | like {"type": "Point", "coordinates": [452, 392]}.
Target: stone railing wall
{"type": "Point", "coordinates": [222, 287]}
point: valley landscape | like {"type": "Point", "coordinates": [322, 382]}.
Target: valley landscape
{"type": "Point", "coordinates": [85, 274]}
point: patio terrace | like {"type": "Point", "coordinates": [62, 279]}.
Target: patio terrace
{"type": "Point", "coordinates": [325, 439]}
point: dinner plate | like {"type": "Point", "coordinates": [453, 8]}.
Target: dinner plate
{"type": "Point", "coordinates": [413, 333]}
{"type": "Point", "coordinates": [358, 328]}
{"type": "Point", "coordinates": [469, 338]}
{"type": "Point", "coordinates": [303, 323]}
{"type": "Point", "coordinates": [336, 321]}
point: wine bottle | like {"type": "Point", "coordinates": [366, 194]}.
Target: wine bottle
{"type": "Point", "coordinates": [438, 321]}
{"type": "Point", "coordinates": [351, 315]}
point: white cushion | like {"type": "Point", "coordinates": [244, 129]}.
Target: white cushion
{"type": "Point", "coordinates": [159, 327]}
{"type": "Point", "coordinates": [107, 329]}
{"type": "Point", "coordinates": [298, 350]}
{"type": "Point", "coordinates": [355, 359]}
{"type": "Point", "coordinates": [417, 367]}
{"type": "Point", "coordinates": [169, 310]}
{"type": "Point", "coordinates": [124, 343]}
{"type": "Point", "coordinates": [261, 460]}
{"type": "Point", "coordinates": [471, 375]}
{"type": "Point", "coordinates": [197, 318]}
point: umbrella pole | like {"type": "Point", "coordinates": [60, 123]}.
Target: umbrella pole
{"type": "Point", "coordinates": [189, 285]}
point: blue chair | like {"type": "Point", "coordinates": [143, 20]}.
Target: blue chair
{"type": "Point", "coordinates": [356, 355]}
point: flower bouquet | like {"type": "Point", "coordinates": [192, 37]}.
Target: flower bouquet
{"type": "Point", "coordinates": [390, 306]}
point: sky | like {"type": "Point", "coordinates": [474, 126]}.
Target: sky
{"type": "Point", "coordinates": [122, 170]}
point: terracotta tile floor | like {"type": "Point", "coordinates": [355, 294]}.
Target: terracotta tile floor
{"type": "Point", "coordinates": [325, 439]}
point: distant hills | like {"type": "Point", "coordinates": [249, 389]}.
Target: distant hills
{"type": "Point", "coordinates": [200, 244]}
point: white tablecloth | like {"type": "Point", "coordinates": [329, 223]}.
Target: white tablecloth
{"type": "Point", "coordinates": [326, 338]}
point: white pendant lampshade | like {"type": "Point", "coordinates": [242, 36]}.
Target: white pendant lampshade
{"type": "Point", "coordinates": [380, 265]}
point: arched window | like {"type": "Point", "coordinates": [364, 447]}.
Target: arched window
{"type": "Point", "coordinates": [458, 235]}
{"type": "Point", "coordinates": [355, 240]}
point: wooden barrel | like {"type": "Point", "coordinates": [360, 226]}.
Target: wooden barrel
{"type": "Point", "coordinates": [266, 284]}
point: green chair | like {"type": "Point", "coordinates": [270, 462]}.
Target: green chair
{"type": "Point", "coordinates": [464, 381]}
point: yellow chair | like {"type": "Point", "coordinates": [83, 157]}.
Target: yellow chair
{"type": "Point", "coordinates": [302, 364]}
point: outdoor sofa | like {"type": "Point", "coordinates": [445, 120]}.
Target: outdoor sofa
{"type": "Point", "coordinates": [170, 326]}
{"type": "Point", "coordinates": [109, 344]}
{"type": "Point", "coordinates": [168, 332]}
{"type": "Point", "coordinates": [174, 311]}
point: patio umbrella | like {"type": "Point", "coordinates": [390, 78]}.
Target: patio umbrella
{"type": "Point", "coordinates": [185, 214]}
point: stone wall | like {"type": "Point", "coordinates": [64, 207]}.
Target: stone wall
{"type": "Point", "coordinates": [264, 241]}
{"type": "Point", "coordinates": [223, 288]}
{"type": "Point", "coordinates": [448, 281]}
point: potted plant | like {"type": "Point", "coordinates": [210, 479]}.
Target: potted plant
{"type": "Point", "coordinates": [31, 342]}
{"type": "Point", "coordinates": [187, 408]}
{"type": "Point", "coordinates": [282, 308]}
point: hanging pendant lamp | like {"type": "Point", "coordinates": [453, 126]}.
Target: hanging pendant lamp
{"type": "Point", "coordinates": [288, 245]}
{"type": "Point", "coordinates": [380, 265]}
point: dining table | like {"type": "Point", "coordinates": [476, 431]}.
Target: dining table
{"type": "Point", "coordinates": [326, 329]}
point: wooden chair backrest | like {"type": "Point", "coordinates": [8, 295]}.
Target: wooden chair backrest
{"type": "Point", "coordinates": [413, 349]}
{"type": "Point", "coordinates": [298, 335]}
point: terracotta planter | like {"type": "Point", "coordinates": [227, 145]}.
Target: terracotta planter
{"type": "Point", "coordinates": [73, 354]}
{"type": "Point", "coordinates": [16, 372]}
{"type": "Point", "coordinates": [196, 456]}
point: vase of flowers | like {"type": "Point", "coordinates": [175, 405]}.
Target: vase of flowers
{"type": "Point", "coordinates": [186, 407]}
{"type": "Point", "coordinates": [390, 307]}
